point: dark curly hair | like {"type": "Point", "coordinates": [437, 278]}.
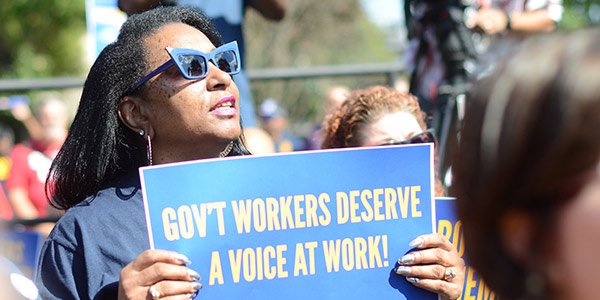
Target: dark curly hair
{"type": "Point", "coordinates": [342, 128]}
{"type": "Point", "coordinates": [99, 147]}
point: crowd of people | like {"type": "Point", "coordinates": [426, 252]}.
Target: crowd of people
{"type": "Point", "coordinates": [26, 163]}
{"type": "Point", "coordinates": [526, 169]}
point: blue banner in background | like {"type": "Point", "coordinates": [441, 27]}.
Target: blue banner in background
{"type": "Point", "coordinates": [103, 20]}
{"type": "Point", "coordinates": [449, 226]}
{"type": "Point", "coordinates": [325, 224]}
{"type": "Point", "coordinates": [22, 248]}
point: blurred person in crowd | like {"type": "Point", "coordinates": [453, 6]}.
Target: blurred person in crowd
{"type": "Point", "coordinates": [31, 161]}
{"type": "Point", "coordinates": [527, 171]}
{"type": "Point", "coordinates": [7, 141]}
{"type": "Point", "coordinates": [228, 17]}
{"type": "Point", "coordinates": [515, 16]}
{"type": "Point", "coordinates": [402, 84]}
{"type": "Point", "coordinates": [445, 39]}
{"type": "Point", "coordinates": [503, 23]}
{"type": "Point", "coordinates": [380, 116]}
{"type": "Point", "coordinates": [258, 141]}
{"type": "Point", "coordinates": [334, 97]}
{"type": "Point", "coordinates": [6, 211]}
{"type": "Point", "coordinates": [14, 284]}
{"type": "Point", "coordinates": [454, 41]}
{"type": "Point", "coordinates": [22, 113]}
{"type": "Point", "coordinates": [274, 121]}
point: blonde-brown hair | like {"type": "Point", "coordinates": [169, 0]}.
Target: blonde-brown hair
{"type": "Point", "coordinates": [342, 128]}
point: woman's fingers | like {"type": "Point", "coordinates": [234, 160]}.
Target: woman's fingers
{"type": "Point", "coordinates": [430, 256]}
{"type": "Point", "coordinates": [179, 297]}
{"type": "Point", "coordinates": [449, 274]}
{"type": "Point", "coordinates": [169, 289]}
{"type": "Point", "coordinates": [433, 240]}
{"type": "Point", "coordinates": [434, 266]}
{"type": "Point", "coordinates": [447, 290]}
{"type": "Point", "coordinates": [162, 271]}
{"type": "Point", "coordinates": [423, 272]}
{"type": "Point", "coordinates": [150, 257]}
{"type": "Point", "coordinates": [152, 272]}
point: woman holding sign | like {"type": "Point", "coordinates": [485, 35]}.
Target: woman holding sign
{"type": "Point", "coordinates": [161, 93]}
{"type": "Point", "coordinates": [528, 171]}
{"type": "Point", "coordinates": [383, 116]}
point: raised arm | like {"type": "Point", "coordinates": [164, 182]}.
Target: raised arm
{"type": "Point", "coordinates": [270, 9]}
{"type": "Point", "coordinates": [493, 21]}
{"type": "Point", "coordinates": [23, 114]}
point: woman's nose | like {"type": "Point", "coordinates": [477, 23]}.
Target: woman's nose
{"type": "Point", "coordinates": [217, 78]}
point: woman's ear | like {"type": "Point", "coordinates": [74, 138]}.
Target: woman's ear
{"type": "Point", "coordinates": [132, 112]}
{"type": "Point", "coordinates": [516, 233]}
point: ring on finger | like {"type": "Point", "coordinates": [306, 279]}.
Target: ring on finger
{"type": "Point", "coordinates": [154, 293]}
{"type": "Point", "coordinates": [449, 274]}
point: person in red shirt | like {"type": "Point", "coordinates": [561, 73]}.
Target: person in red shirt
{"type": "Point", "coordinates": [31, 161]}
{"type": "Point", "coordinates": [6, 212]}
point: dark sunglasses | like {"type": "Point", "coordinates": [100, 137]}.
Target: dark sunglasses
{"type": "Point", "coordinates": [426, 136]}
{"type": "Point", "coordinates": [193, 64]}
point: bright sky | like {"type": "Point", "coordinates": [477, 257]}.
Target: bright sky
{"type": "Point", "coordinates": [384, 12]}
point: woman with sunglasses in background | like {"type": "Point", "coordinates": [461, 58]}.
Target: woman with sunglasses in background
{"type": "Point", "coordinates": [527, 173]}
{"type": "Point", "coordinates": [379, 116]}
{"type": "Point", "coordinates": [161, 93]}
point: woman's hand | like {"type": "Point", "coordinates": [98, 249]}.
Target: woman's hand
{"type": "Point", "coordinates": [490, 21]}
{"type": "Point", "coordinates": [436, 267]}
{"type": "Point", "coordinates": [158, 274]}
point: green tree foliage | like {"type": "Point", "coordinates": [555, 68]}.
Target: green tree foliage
{"type": "Point", "coordinates": [313, 33]}
{"type": "Point", "coordinates": [40, 38]}
{"type": "Point", "coordinates": [578, 13]}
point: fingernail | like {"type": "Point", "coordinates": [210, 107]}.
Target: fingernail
{"type": "Point", "coordinates": [196, 286]}
{"type": "Point", "coordinates": [193, 274]}
{"type": "Point", "coordinates": [191, 296]}
{"type": "Point", "coordinates": [182, 258]}
{"type": "Point", "coordinates": [412, 279]}
{"type": "Point", "coordinates": [416, 242]}
{"type": "Point", "coordinates": [402, 270]}
{"type": "Point", "coordinates": [406, 259]}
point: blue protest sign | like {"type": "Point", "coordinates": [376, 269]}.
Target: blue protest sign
{"type": "Point", "coordinates": [450, 226]}
{"type": "Point", "coordinates": [22, 248]}
{"type": "Point", "coordinates": [327, 224]}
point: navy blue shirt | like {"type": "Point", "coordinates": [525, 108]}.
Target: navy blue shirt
{"type": "Point", "coordinates": [84, 254]}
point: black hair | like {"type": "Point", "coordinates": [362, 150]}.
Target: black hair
{"type": "Point", "coordinates": [7, 132]}
{"type": "Point", "coordinates": [100, 147]}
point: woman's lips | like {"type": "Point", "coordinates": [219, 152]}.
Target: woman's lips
{"type": "Point", "coordinates": [225, 107]}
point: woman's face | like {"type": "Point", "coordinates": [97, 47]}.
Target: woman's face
{"type": "Point", "coordinates": [393, 127]}
{"type": "Point", "coordinates": [577, 263]}
{"type": "Point", "coordinates": [191, 119]}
